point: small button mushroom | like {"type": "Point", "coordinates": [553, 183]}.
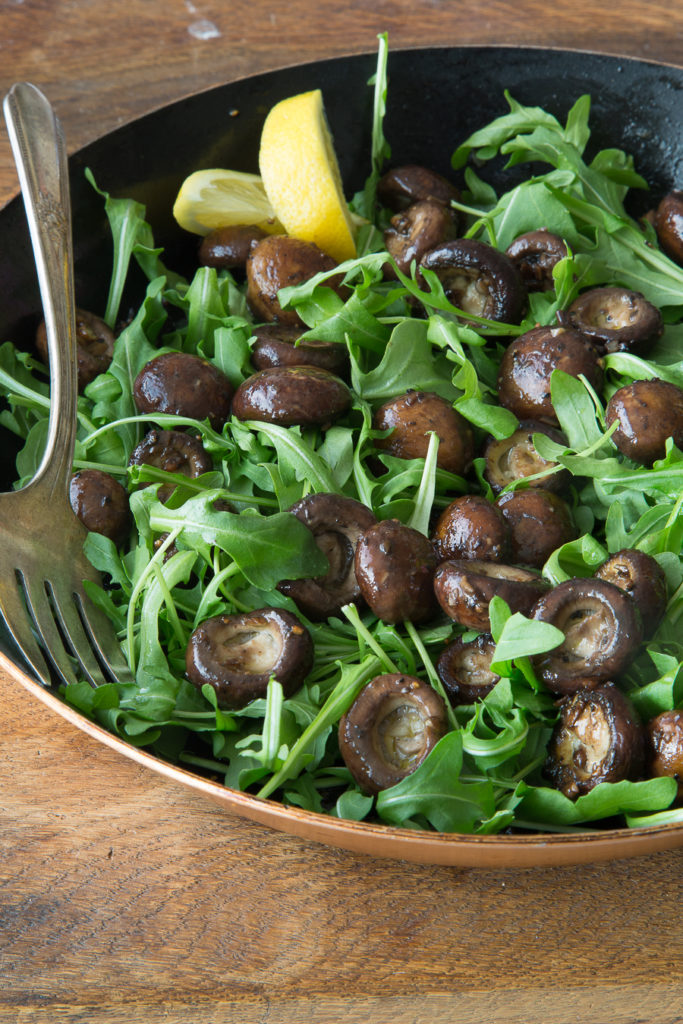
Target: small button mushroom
{"type": "Point", "coordinates": [528, 362]}
{"type": "Point", "coordinates": [478, 279]}
{"type": "Point", "coordinates": [664, 747]}
{"type": "Point", "coordinates": [649, 412]}
{"type": "Point", "coordinates": [228, 248]}
{"type": "Point", "coordinates": [535, 254]}
{"type": "Point", "coordinates": [464, 668]}
{"type": "Point", "coordinates": [539, 522]}
{"type": "Point", "coordinates": [174, 452]}
{"type": "Point", "coordinates": [279, 262]}
{"type": "Point", "coordinates": [411, 417]}
{"type": "Point", "coordinates": [641, 576]}
{"type": "Point", "coordinates": [275, 345]}
{"type": "Point", "coordinates": [336, 523]}
{"type": "Point", "coordinates": [598, 739]}
{"type": "Point", "coordinates": [616, 319]}
{"type": "Point", "coordinates": [101, 503]}
{"type": "Point", "coordinates": [292, 395]}
{"type": "Point", "coordinates": [395, 567]}
{"type": "Point", "coordinates": [471, 527]}
{"type": "Point", "coordinates": [184, 385]}
{"type": "Point", "coordinates": [515, 458]}
{"type": "Point", "coordinates": [464, 590]}
{"type": "Point", "coordinates": [402, 186]}
{"type": "Point", "coordinates": [602, 632]}
{"type": "Point", "coordinates": [416, 230]}
{"type": "Point", "coordinates": [392, 725]}
{"type": "Point", "coordinates": [94, 346]}
{"type": "Point", "coordinates": [668, 223]}
{"type": "Point", "coordinates": [238, 654]}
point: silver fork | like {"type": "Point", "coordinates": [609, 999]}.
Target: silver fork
{"type": "Point", "coordinates": [60, 633]}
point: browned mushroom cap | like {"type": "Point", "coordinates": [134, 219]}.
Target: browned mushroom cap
{"type": "Point", "coordinates": [471, 527]}
{"type": "Point", "coordinates": [275, 345]}
{"type": "Point", "coordinates": [416, 230]}
{"type": "Point", "coordinates": [101, 503]}
{"type": "Point", "coordinates": [238, 654]}
{"type": "Point", "coordinates": [478, 279]}
{"type": "Point", "coordinates": [464, 590]}
{"type": "Point", "coordinates": [394, 568]}
{"type": "Point", "coordinates": [515, 458]}
{"type": "Point", "coordinates": [292, 395]}
{"type": "Point", "coordinates": [602, 632]}
{"type": "Point", "coordinates": [337, 523]}
{"type": "Point", "coordinates": [616, 319]}
{"type": "Point", "coordinates": [668, 223]}
{"type": "Point", "coordinates": [649, 412]}
{"type": "Point", "coordinates": [228, 248]}
{"type": "Point", "coordinates": [389, 729]}
{"type": "Point", "coordinates": [184, 385]}
{"type": "Point", "coordinates": [412, 416]}
{"type": "Point", "coordinates": [94, 346]}
{"type": "Point", "coordinates": [664, 746]}
{"type": "Point", "coordinates": [535, 254]}
{"type": "Point", "coordinates": [279, 262]}
{"type": "Point", "coordinates": [402, 186]}
{"type": "Point", "coordinates": [539, 522]}
{"type": "Point", "coordinates": [528, 362]}
{"type": "Point", "coordinates": [464, 668]}
{"type": "Point", "coordinates": [642, 577]}
{"type": "Point", "coordinates": [174, 452]}
{"type": "Point", "coordinates": [597, 739]}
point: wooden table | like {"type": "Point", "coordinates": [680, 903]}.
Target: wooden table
{"type": "Point", "coordinates": [125, 898]}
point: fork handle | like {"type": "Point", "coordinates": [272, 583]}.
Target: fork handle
{"type": "Point", "coordinates": [39, 151]}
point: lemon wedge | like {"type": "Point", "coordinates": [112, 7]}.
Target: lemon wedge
{"type": "Point", "coordinates": [218, 198]}
{"type": "Point", "coordinates": [301, 176]}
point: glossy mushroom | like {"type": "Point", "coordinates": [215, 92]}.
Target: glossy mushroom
{"type": "Point", "coordinates": [616, 319]}
{"type": "Point", "coordinates": [276, 345]}
{"type": "Point", "coordinates": [515, 458]}
{"type": "Point", "coordinates": [668, 223]}
{"type": "Point", "coordinates": [277, 262]}
{"type": "Point", "coordinates": [394, 567]}
{"type": "Point", "coordinates": [464, 668]}
{"type": "Point", "coordinates": [464, 589]}
{"type": "Point", "coordinates": [101, 503]}
{"type": "Point", "coordinates": [471, 527]}
{"type": "Point", "coordinates": [305, 396]}
{"type": "Point", "coordinates": [538, 522]}
{"type": "Point", "coordinates": [535, 253]}
{"type": "Point", "coordinates": [478, 279]}
{"type": "Point", "coordinates": [412, 416]}
{"type": "Point", "coordinates": [642, 577]}
{"type": "Point", "coordinates": [173, 451]}
{"type": "Point", "coordinates": [416, 230]}
{"type": "Point", "coordinates": [94, 346]}
{"type": "Point", "coordinates": [184, 385]}
{"type": "Point", "coordinates": [664, 747]}
{"type": "Point", "coordinates": [228, 248]}
{"type": "Point", "coordinates": [649, 412]}
{"type": "Point", "coordinates": [402, 186]}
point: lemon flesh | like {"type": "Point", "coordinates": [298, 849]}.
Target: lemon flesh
{"type": "Point", "coordinates": [301, 175]}
{"type": "Point", "coordinates": [218, 198]}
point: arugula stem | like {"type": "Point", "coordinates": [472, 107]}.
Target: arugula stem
{"type": "Point", "coordinates": [350, 612]}
{"type": "Point", "coordinates": [149, 570]}
{"type": "Point", "coordinates": [432, 673]}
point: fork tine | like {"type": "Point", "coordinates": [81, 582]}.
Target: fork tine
{"type": "Point", "coordinates": [67, 614]}
{"type": "Point", "coordinates": [41, 612]}
{"type": "Point", "coordinates": [103, 638]}
{"type": "Point", "coordinates": [17, 623]}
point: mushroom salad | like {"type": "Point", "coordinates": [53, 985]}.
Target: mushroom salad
{"type": "Point", "coordinates": [399, 539]}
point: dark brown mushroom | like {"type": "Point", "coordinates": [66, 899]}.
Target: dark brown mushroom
{"type": "Point", "coordinates": [336, 523]}
{"type": "Point", "coordinates": [515, 458]}
{"type": "Point", "coordinates": [173, 451]}
{"type": "Point", "coordinates": [539, 522]}
{"type": "Point", "coordinates": [649, 412]}
{"type": "Point", "coordinates": [238, 654]}
{"type": "Point", "coordinates": [228, 248]}
{"type": "Point", "coordinates": [416, 230]}
{"type": "Point", "coordinates": [101, 503]}
{"type": "Point", "coordinates": [664, 747]}
{"type": "Point", "coordinates": [602, 633]}
{"type": "Point", "coordinates": [471, 527]}
{"type": "Point", "coordinates": [528, 362]}
{"type": "Point", "coordinates": [278, 262]}
{"type": "Point", "coordinates": [535, 254]}
{"type": "Point", "coordinates": [412, 416]}
{"type": "Point", "coordinates": [465, 588]}
{"type": "Point", "coordinates": [395, 568]}
{"type": "Point", "coordinates": [464, 668]}
{"type": "Point", "coordinates": [597, 739]}
{"type": "Point", "coordinates": [94, 346]}
{"type": "Point", "coordinates": [641, 576]}
{"type": "Point", "coordinates": [275, 345]}
{"type": "Point", "coordinates": [478, 279]}
{"type": "Point", "coordinates": [292, 395]}
{"type": "Point", "coordinates": [616, 319]}
{"type": "Point", "coordinates": [668, 223]}
{"type": "Point", "coordinates": [184, 385]}
{"type": "Point", "coordinates": [389, 729]}
{"type": "Point", "coordinates": [402, 186]}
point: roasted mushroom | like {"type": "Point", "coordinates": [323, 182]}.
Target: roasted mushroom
{"type": "Point", "coordinates": [528, 362]}
{"type": "Point", "coordinates": [238, 654]}
{"type": "Point", "coordinates": [535, 254]}
{"type": "Point", "coordinates": [228, 248]}
{"type": "Point", "coordinates": [464, 668]}
{"type": "Point", "coordinates": [292, 395]}
{"type": "Point", "coordinates": [402, 186]}
{"type": "Point", "coordinates": [471, 527]}
{"type": "Point", "coordinates": [337, 523]}
{"type": "Point", "coordinates": [515, 458]}
{"type": "Point", "coordinates": [464, 590]}
{"type": "Point", "coordinates": [538, 521]}
{"type": "Point", "coordinates": [602, 632]}
{"type": "Point", "coordinates": [478, 279]}
{"type": "Point", "coordinates": [664, 747]}
{"type": "Point", "coordinates": [668, 223]}
{"type": "Point", "coordinates": [94, 346]}
{"type": "Point", "coordinates": [101, 503]}
{"type": "Point", "coordinates": [616, 319]}
{"type": "Point", "coordinates": [278, 262]}
{"type": "Point", "coordinates": [395, 568]}
{"type": "Point", "coordinates": [174, 452]}
{"type": "Point", "coordinates": [275, 345]}
{"type": "Point", "coordinates": [389, 729]}
{"type": "Point", "coordinates": [597, 739]}
{"type": "Point", "coordinates": [417, 229]}
{"type": "Point", "coordinates": [649, 412]}
{"type": "Point", "coordinates": [641, 576]}
{"type": "Point", "coordinates": [412, 416]}
{"type": "Point", "coordinates": [184, 385]}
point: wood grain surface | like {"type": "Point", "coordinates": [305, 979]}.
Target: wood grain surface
{"type": "Point", "coordinates": [125, 898]}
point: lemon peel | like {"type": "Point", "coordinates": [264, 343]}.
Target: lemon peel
{"type": "Point", "coordinates": [218, 198]}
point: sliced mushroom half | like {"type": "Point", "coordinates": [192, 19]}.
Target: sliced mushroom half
{"type": "Point", "coordinates": [464, 589]}
{"type": "Point", "coordinates": [641, 576]}
{"type": "Point", "coordinates": [616, 319]}
{"type": "Point", "coordinates": [464, 668]}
